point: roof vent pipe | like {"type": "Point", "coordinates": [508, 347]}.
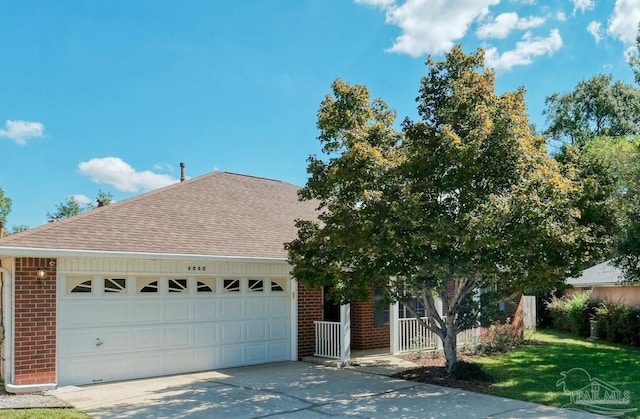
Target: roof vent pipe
{"type": "Point", "coordinates": [183, 175]}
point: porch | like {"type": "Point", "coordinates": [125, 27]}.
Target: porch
{"type": "Point", "coordinates": [406, 334]}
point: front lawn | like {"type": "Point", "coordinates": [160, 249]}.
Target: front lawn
{"type": "Point", "coordinates": [42, 414]}
{"type": "Point", "coordinates": [530, 372]}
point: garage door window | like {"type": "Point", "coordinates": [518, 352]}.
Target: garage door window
{"type": "Point", "coordinates": [79, 285]}
{"type": "Point", "coordinates": [231, 285]}
{"type": "Point", "coordinates": [278, 285]}
{"type": "Point", "coordinates": [256, 285]}
{"type": "Point", "coordinates": [206, 285]}
{"type": "Point", "coordinates": [115, 285]}
{"type": "Point", "coordinates": [178, 286]}
{"type": "Point", "coordinates": [148, 286]}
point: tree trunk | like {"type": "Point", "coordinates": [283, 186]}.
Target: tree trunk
{"type": "Point", "coordinates": [450, 347]}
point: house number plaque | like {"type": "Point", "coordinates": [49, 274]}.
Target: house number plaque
{"type": "Point", "coordinates": [191, 268]}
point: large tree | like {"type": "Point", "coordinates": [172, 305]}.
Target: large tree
{"type": "Point", "coordinates": [596, 107]}
{"type": "Point", "coordinates": [71, 206]}
{"type": "Point", "coordinates": [5, 207]}
{"type": "Point", "coordinates": [462, 199]}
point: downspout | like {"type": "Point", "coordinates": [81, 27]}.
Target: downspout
{"type": "Point", "coordinates": [7, 325]}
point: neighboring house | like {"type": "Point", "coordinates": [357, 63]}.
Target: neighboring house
{"type": "Point", "coordinates": [190, 277]}
{"type": "Point", "coordinates": [606, 283]}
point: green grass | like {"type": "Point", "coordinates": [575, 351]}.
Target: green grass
{"type": "Point", "coordinates": [531, 372]}
{"type": "Point", "coordinates": [42, 414]}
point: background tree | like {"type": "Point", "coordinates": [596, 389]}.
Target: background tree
{"type": "Point", "coordinates": [465, 198]}
{"type": "Point", "coordinates": [596, 107]}
{"type": "Point", "coordinates": [71, 206]}
{"type": "Point", "coordinates": [606, 171]}
{"type": "Point", "coordinates": [19, 228]}
{"type": "Point", "coordinates": [5, 207]}
{"type": "Point", "coordinates": [634, 60]}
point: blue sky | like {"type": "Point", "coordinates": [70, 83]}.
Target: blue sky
{"type": "Point", "coordinates": [112, 95]}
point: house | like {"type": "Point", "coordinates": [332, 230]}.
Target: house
{"type": "Point", "coordinates": [190, 277]}
{"type": "Point", "coordinates": [606, 283]}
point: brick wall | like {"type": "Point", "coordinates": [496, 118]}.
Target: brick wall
{"type": "Point", "coordinates": [364, 333]}
{"type": "Point", "coordinates": [35, 323]}
{"type": "Point", "coordinates": [309, 310]}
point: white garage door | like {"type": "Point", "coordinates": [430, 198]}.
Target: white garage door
{"type": "Point", "coordinates": [115, 328]}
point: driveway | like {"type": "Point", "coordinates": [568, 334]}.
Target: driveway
{"type": "Point", "coordinates": [292, 390]}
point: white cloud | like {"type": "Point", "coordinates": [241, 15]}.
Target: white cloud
{"type": "Point", "coordinates": [22, 131]}
{"type": "Point", "coordinates": [583, 5]}
{"type": "Point", "coordinates": [504, 23]}
{"type": "Point", "coordinates": [377, 3]}
{"type": "Point", "coordinates": [623, 24]}
{"type": "Point", "coordinates": [524, 53]}
{"type": "Point", "coordinates": [119, 174]}
{"type": "Point", "coordinates": [561, 16]}
{"type": "Point", "coordinates": [595, 29]}
{"type": "Point", "coordinates": [432, 26]}
{"type": "Point", "coordinates": [82, 199]}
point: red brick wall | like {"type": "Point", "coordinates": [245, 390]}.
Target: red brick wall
{"type": "Point", "coordinates": [35, 323]}
{"type": "Point", "coordinates": [309, 310]}
{"type": "Point", "coordinates": [364, 333]}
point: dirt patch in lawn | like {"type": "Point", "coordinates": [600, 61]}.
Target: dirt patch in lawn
{"type": "Point", "coordinates": [431, 370]}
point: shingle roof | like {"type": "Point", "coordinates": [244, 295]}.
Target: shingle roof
{"type": "Point", "coordinates": [601, 274]}
{"type": "Point", "coordinates": [218, 214]}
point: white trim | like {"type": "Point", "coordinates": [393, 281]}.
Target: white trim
{"type": "Point", "coordinates": [345, 334]}
{"type": "Point", "coordinates": [393, 328]}
{"type": "Point", "coordinates": [294, 319]}
{"type": "Point", "coordinates": [7, 321]}
{"type": "Point", "coordinates": [29, 388]}
{"type": "Point", "coordinates": [105, 254]}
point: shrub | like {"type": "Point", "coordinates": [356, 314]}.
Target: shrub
{"type": "Point", "coordinates": [572, 313]}
{"type": "Point", "coordinates": [500, 338]}
{"type": "Point", "coordinates": [618, 323]}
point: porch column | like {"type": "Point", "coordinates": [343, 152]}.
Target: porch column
{"type": "Point", "coordinates": [440, 310]}
{"type": "Point", "coordinates": [394, 323]}
{"type": "Point", "coordinates": [345, 334]}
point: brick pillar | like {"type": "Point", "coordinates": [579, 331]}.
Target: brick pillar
{"type": "Point", "coordinates": [35, 322]}
{"type": "Point", "coordinates": [309, 310]}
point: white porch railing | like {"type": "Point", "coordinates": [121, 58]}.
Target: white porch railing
{"type": "Point", "coordinates": [327, 339]}
{"type": "Point", "coordinates": [413, 336]}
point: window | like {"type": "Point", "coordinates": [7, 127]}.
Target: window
{"type": "Point", "coordinates": [147, 286]}
{"type": "Point", "coordinates": [178, 285]}
{"type": "Point", "coordinates": [79, 285]}
{"type": "Point", "coordinates": [278, 285]}
{"type": "Point", "coordinates": [206, 285]}
{"type": "Point", "coordinates": [415, 304]}
{"type": "Point", "coordinates": [115, 285]}
{"type": "Point", "coordinates": [231, 285]}
{"type": "Point", "coordinates": [256, 285]}
{"type": "Point", "coordinates": [380, 309]}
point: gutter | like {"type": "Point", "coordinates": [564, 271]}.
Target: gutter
{"type": "Point", "coordinates": [106, 254]}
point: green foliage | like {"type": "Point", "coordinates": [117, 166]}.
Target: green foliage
{"type": "Point", "coordinates": [66, 209]}
{"type": "Point", "coordinates": [500, 338]}
{"type": "Point", "coordinates": [634, 60]}
{"type": "Point", "coordinates": [18, 228]}
{"type": "Point", "coordinates": [464, 198]}
{"type": "Point", "coordinates": [572, 313]}
{"type": "Point", "coordinates": [71, 206]}
{"type": "Point", "coordinates": [618, 323]}
{"type": "Point", "coordinates": [5, 207]}
{"type": "Point", "coordinates": [596, 107]}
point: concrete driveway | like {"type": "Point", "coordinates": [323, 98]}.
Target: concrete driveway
{"type": "Point", "coordinates": [292, 390]}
